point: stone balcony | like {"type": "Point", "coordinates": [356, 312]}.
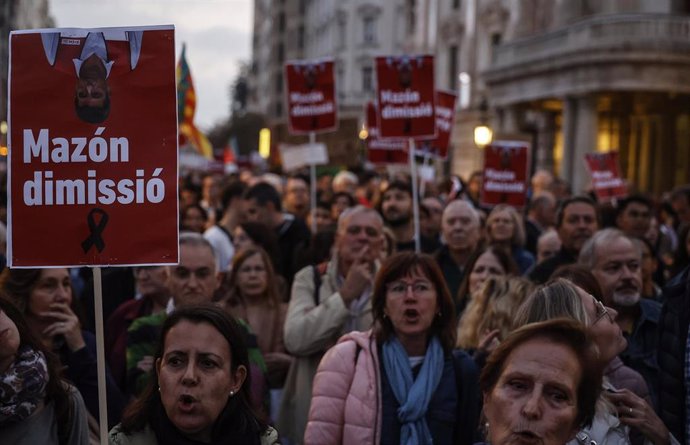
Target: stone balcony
{"type": "Point", "coordinates": [618, 52]}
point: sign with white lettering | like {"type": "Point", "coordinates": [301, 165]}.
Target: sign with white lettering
{"type": "Point", "coordinates": [93, 147]}
{"type": "Point", "coordinates": [606, 179]}
{"type": "Point", "coordinates": [505, 174]}
{"type": "Point", "coordinates": [311, 96]}
{"type": "Point", "coordinates": [445, 118]}
{"type": "Point", "coordinates": [405, 97]}
{"type": "Point", "coordinates": [383, 151]}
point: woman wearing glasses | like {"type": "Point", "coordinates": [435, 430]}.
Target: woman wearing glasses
{"type": "Point", "coordinates": [617, 410]}
{"type": "Point", "coordinates": [400, 382]}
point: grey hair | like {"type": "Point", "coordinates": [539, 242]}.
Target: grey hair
{"type": "Point", "coordinates": [345, 175]}
{"type": "Point", "coordinates": [588, 254]}
{"type": "Point", "coordinates": [474, 214]}
{"type": "Point", "coordinates": [356, 210]}
{"type": "Point", "coordinates": [194, 239]}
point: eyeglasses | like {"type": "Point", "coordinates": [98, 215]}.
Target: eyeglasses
{"type": "Point", "coordinates": [356, 230]}
{"type": "Point", "coordinates": [602, 312]}
{"type": "Point", "coordinates": [420, 288]}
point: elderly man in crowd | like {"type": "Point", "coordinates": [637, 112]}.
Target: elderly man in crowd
{"type": "Point", "coordinates": [615, 260]}
{"type": "Point", "coordinates": [460, 227]}
{"type": "Point", "coordinates": [326, 303]}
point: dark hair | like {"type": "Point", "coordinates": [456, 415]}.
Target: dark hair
{"type": "Point", "coordinates": [93, 115]}
{"type": "Point", "coordinates": [681, 257]}
{"type": "Point", "coordinates": [563, 331]}
{"type": "Point", "coordinates": [238, 412]}
{"type": "Point", "coordinates": [581, 277]}
{"type": "Point", "coordinates": [232, 190]}
{"type": "Point", "coordinates": [271, 294]}
{"type": "Point", "coordinates": [264, 193]}
{"type": "Point", "coordinates": [503, 258]}
{"type": "Point", "coordinates": [266, 238]}
{"type": "Point", "coordinates": [638, 199]}
{"type": "Point", "coordinates": [560, 214]}
{"type": "Point", "coordinates": [56, 389]}
{"type": "Point", "coordinates": [403, 264]}
{"type": "Point", "coordinates": [350, 199]}
{"type": "Point", "coordinates": [682, 191]}
{"type": "Point", "coordinates": [401, 185]}
{"type": "Point", "coordinates": [183, 213]}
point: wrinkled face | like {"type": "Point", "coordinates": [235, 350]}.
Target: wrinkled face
{"type": "Point", "coordinates": [151, 280]}
{"type": "Point", "coordinates": [194, 280]}
{"type": "Point", "coordinates": [53, 286]}
{"type": "Point", "coordinates": [618, 272]}
{"type": "Point", "coordinates": [459, 227]}
{"type": "Point", "coordinates": [487, 265]}
{"type": "Point", "coordinates": [195, 377]}
{"type": "Point", "coordinates": [501, 226]}
{"type": "Point", "coordinates": [396, 207]}
{"type": "Point", "coordinates": [361, 235]}
{"type": "Point", "coordinates": [9, 341]}
{"type": "Point", "coordinates": [92, 86]}
{"type": "Point", "coordinates": [253, 212]}
{"type": "Point", "coordinates": [193, 220]}
{"type": "Point", "coordinates": [296, 195]}
{"type": "Point", "coordinates": [241, 240]}
{"type": "Point", "coordinates": [252, 277]}
{"type": "Point", "coordinates": [411, 305]}
{"type": "Point", "coordinates": [635, 219]}
{"type": "Point", "coordinates": [534, 400]}
{"type": "Point", "coordinates": [578, 225]}
{"type": "Point", "coordinates": [603, 327]}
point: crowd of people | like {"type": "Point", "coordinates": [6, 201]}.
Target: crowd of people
{"type": "Point", "coordinates": [292, 322]}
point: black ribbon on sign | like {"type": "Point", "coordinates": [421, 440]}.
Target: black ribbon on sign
{"type": "Point", "coordinates": [95, 230]}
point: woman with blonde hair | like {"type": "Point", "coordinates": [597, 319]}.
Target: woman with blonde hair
{"type": "Point", "coordinates": [504, 227]}
{"type": "Point", "coordinates": [488, 317]}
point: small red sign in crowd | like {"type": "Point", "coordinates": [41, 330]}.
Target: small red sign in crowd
{"type": "Point", "coordinates": [93, 147]}
{"type": "Point", "coordinates": [606, 180]}
{"type": "Point", "coordinates": [445, 116]}
{"type": "Point", "coordinates": [383, 151]}
{"type": "Point", "coordinates": [311, 96]}
{"type": "Point", "coordinates": [405, 97]}
{"type": "Point", "coordinates": [505, 174]}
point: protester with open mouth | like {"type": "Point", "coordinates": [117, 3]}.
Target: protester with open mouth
{"type": "Point", "coordinates": [540, 385]}
{"type": "Point", "coordinates": [400, 382]}
{"type": "Point", "coordinates": [199, 392]}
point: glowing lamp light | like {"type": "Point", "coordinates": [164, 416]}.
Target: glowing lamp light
{"type": "Point", "coordinates": [363, 133]}
{"type": "Point", "coordinates": [3, 150]}
{"type": "Point", "coordinates": [3, 127]}
{"type": "Point", "coordinates": [482, 135]}
{"type": "Point", "coordinates": [265, 143]}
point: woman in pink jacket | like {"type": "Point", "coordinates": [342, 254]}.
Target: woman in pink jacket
{"type": "Point", "coordinates": [401, 382]}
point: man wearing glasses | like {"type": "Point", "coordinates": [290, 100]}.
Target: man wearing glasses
{"type": "Point", "coordinates": [317, 318]}
{"type": "Point", "coordinates": [615, 261]}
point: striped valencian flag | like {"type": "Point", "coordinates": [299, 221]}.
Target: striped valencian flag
{"type": "Point", "coordinates": [186, 106]}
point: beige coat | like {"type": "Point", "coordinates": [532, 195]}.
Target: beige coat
{"type": "Point", "coordinates": [309, 332]}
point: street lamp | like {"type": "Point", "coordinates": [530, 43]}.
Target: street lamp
{"type": "Point", "coordinates": [482, 132]}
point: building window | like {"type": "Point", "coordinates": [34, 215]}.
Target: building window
{"type": "Point", "coordinates": [367, 79]}
{"type": "Point", "coordinates": [369, 30]}
{"type": "Point", "coordinates": [281, 53]}
{"type": "Point", "coordinates": [452, 66]}
{"type": "Point", "coordinates": [281, 22]}
{"type": "Point", "coordinates": [279, 108]}
{"type": "Point", "coordinates": [300, 37]}
{"type": "Point", "coordinates": [456, 4]}
{"type": "Point", "coordinates": [341, 33]}
{"type": "Point", "coordinates": [496, 39]}
{"type": "Point", "coordinates": [411, 16]}
{"type": "Point", "coordinates": [279, 82]}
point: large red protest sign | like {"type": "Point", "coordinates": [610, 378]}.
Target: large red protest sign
{"type": "Point", "coordinates": [606, 179]}
{"type": "Point", "coordinates": [311, 96]}
{"type": "Point", "coordinates": [405, 97]}
{"type": "Point", "coordinates": [445, 116]}
{"type": "Point", "coordinates": [383, 151]}
{"type": "Point", "coordinates": [93, 147]}
{"type": "Point", "coordinates": [505, 174]}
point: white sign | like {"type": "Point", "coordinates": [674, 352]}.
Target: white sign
{"type": "Point", "coordinates": [296, 156]}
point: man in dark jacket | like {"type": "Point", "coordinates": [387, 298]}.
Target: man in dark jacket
{"type": "Point", "coordinates": [672, 353]}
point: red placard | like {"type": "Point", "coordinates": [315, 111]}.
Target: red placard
{"type": "Point", "coordinates": [311, 96]}
{"type": "Point", "coordinates": [505, 174]}
{"type": "Point", "coordinates": [406, 97]}
{"type": "Point", "coordinates": [606, 179]}
{"type": "Point", "coordinates": [93, 147]}
{"type": "Point", "coordinates": [383, 151]}
{"type": "Point", "coordinates": [445, 117]}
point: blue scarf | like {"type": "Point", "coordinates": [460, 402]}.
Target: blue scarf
{"type": "Point", "coordinates": [413, 395]}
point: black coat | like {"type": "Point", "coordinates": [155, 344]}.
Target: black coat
{"type": "Point", "coordinates": [673, 335]}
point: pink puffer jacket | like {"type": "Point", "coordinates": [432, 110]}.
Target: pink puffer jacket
{"type": "Point", "coordinates": [346, 400]}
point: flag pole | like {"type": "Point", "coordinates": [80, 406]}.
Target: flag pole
{"type": "Point", "coordinates": [100, 355]}
{"type": "Point", "coordinates": [415, 198]}
{"type": "Point", "coordinates": [312, 188]}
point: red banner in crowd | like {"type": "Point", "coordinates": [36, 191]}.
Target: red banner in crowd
{"type": "Point", "coordinates": [311, 100]}
{"type": "Point", "coordinates": [445, 117]}
{"type": "Point", "coordinates": [606, 179]}
{"type": "Point", "coordinates": [505, 174]}
{"type": "Point", "coordinates": [93, 147]}
{"type": "Point", "coordinates": [383, 151]}
{"type": "Point", "coordinates": [406, 97]}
